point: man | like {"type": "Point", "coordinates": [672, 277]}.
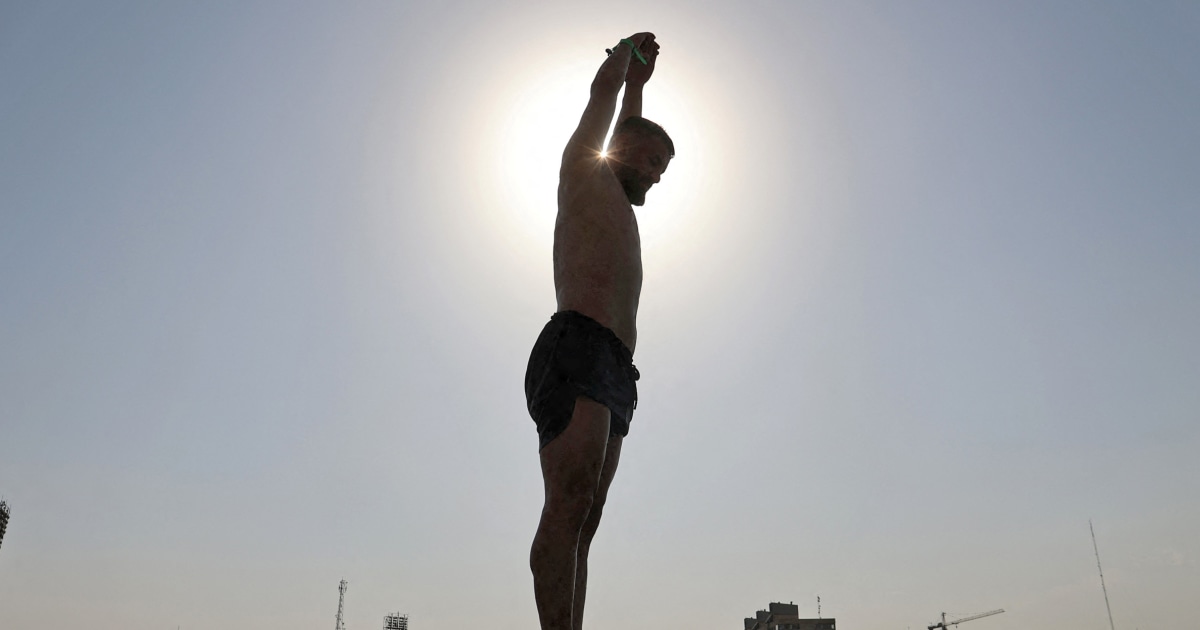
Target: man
{"type": "Point", "coordinates": [579, 385]}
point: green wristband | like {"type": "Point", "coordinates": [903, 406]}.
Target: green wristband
{"type": "Point", "coordinates": [635, 50]}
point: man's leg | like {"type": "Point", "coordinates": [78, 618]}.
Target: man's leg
{"type": "Point", "coordinates": [571, 467]}
{"type": "Point", "coordinates": [611, 458]}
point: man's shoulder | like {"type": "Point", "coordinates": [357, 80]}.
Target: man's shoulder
{"type": "Point", "coordinates": [580, 154]}
{"type": "Point", "coordinates": [583, 172]}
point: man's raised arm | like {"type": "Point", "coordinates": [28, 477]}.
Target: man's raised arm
{"type": "Point", "coordinates": [588, 139]}
{"type": "Point", "coordinates": [635, 80]}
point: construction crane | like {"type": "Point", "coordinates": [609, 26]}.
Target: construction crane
{"type": "Point", "coordinates": [946, 624]}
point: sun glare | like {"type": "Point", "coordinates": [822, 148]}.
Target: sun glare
{"type": "Point", "coordinates": [529, 137]}
{"type": "Point", "coordinates": [520, 162]}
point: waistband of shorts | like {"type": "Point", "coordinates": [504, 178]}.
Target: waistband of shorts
{"type": "Point", "coordinates": [610, 336]}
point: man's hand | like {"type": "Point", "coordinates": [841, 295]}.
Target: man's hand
{"type": "Point", "coordinates": [640, 39]}
{"type": "Point", "coordinates": [639, 73]}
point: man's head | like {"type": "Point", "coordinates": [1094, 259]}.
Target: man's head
{"type": "Point", "coordinates": [638, 154]}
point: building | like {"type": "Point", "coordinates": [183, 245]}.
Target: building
{"type": "Point", "coordinates": [395, 621]}
{"type": "Point", "coordinates": [786, 617]}
{"type": "Point", "coordinates": [4, 512]}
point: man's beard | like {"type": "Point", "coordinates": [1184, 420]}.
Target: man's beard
{"type": "Point", "coordinates": [632, 186]}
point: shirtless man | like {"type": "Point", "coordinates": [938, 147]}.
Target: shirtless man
{"type": "Point", "coordinates": [579, 385]}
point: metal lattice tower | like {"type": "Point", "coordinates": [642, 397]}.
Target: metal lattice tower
{"type": "Point", "coordinates": [341, 602]}
{"type": "Point", "coordinates": [395, 621]}
{"type": "Point", "coordinates": [4, 512]}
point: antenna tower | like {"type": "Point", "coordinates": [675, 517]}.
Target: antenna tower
{"type": "Point", "coordinates": [1102, 587]}
{"type": "Point", "coordinates": [341, 600]}
{"type": "Point", "coordinates": [4, 513]}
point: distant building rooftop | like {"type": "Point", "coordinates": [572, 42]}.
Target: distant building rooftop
{"type": "Point", "coordinates": [779, 616]}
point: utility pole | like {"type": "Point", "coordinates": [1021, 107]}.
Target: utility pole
{"type": "Point", "coordinates": [1102, 587]}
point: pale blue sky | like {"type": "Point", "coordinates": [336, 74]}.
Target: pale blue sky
{"type": "Point", "coordinates": [921, 298]}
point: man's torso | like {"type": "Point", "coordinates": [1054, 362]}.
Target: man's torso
{"type": "Point", "coordinates": [597, 250]}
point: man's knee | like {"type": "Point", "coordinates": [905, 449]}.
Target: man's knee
{"type": "Point", "coordinates": [593, 521]}
{"type": "Point", "coordinates": [569, 509]}
{"type": "Point", "coordinates": [597, 506]}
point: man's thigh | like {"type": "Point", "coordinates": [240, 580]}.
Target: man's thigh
{"type": "Point", "coordinates": [612, 457]}
{"type": "Point", "coordinates": [573, 464]}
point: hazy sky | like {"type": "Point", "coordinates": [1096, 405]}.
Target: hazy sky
{"type": "Point", "coordinates": [921, 297]}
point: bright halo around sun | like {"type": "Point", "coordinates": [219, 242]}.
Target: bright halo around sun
{"type": "Point", "coordinates": [533, 126]}
{"type": "Point", "coordinates": [528, 140]}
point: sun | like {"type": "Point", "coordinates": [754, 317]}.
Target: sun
{"type": "Point", "coordinates": [527, 144]}
{"type": "Point", "coordinates": [528, 126]}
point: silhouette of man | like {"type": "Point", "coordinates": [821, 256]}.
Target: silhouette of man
{"type": "Point", "coordinates": [580, 383]}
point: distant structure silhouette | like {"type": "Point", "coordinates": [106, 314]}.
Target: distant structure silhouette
{"type": "Point", "coordinates": [4, 513]}
{"type": "Point", "coordinates": [944, 625]}
{"type": "Point", "coordinates": [779, 616]}
{"type": "Point", "coordinates": [1094, 547]}
{"type": "Point", "coordinates": [341, 602]}
{"type": "Point", "coordinates": [395, 621]}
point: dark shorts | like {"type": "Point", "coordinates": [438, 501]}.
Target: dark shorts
{"type": "Point", "coordinates": [576, 355]}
